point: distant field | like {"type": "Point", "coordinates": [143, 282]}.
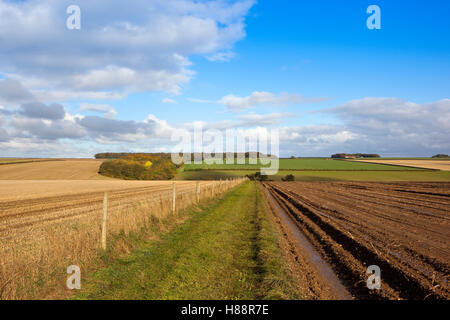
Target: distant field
{"type": "Point", "coordinates": [5, 161]}
{"type": "Point", "coordinates": [421, 175]}
{"type": "Point", "coordinates": [303, 164]}
{"type": "Point", "coordinates": [403, 158]}
{"type": "Point", "coordinates": [426, 164]}
{"type": "Point", "coordinates": [64, 169]}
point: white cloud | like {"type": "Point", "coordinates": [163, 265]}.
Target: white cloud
{"type": "Point", "coordinates": [252, 119]}
{"type": "Point", "coordinates": [13, 93]}
{"type": "Point", "coordinates": [257, 98]}
{"type": "Point", "coordinates": [106, 109]}
{"type": "Point", "coordinates": [392, 126]}
{"type": "Point", "coordinates": [200, 100]}
{"type": "Point", "coordinates": [388, 126]}
{"type": "Point", "coordinates": [221, 56]}
{"type": "Point", "coordinates": [61, 96]}
{"type": "Point", "coordinates": [168, 101]}
{"type": "Point", "coordinates": [242, 121]}
{"type": "Point", "coordinates": [122, 46]}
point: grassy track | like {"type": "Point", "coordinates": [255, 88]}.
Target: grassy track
{"type": "Point", "coordinates": [229, 250]}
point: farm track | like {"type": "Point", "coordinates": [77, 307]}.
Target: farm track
{"type": "Point", "coordinates": [355, 225]}
{"type": "Point", "coordinates": [20, 215]}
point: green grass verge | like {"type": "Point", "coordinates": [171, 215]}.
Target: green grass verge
{"type": "Point", "coordinates": [324, 175]}
{"type": "Point", "coordinates": [228, 250]}
{"type": "Point", "coordinates": [305, 164]}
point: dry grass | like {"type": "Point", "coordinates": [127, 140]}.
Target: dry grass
{"type": "Point", "coordinates": [41, 237]}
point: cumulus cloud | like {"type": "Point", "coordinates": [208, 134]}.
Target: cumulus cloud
{"type": "Point", "coordinates": [389, 126]}
{"type": "Point", "coordinates": [35, 147]}
{"type": "Point", "coordinates": [46, 129]}
{"type": "Point", "coordinates": [158, 128]}
{"type": "Point", "coordinates": [115, 131]}
{"type": "Point", "coordinates": [112, 129]}
{"type": "Point", "coordinates": [3, 133]}
{"type": "Point", "coordinates": [13, 92]}
{"type": "Point", "coordinates": [258, 98]}
{"type": "Point", "coordinates": [41, 111]}
{"type": "Point", "coordinates": [396, 127]}
{"type": "Point", "coordinates": [64, 95]}
{"type": "Point", "coordinates": [314, 140]}
{"type": "Point", "coordinates": [243, 121]}
{"type": "Point", "coordinates": [253, 119]}
{"type": "Point", "coordinates": [106, 109]}
{"type": "Point", "coordinates": [122, 46]}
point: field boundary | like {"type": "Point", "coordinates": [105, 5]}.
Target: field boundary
{"type": "Point", "coordinates": [27, 161]}
{"type": "Point", "coordinates": [308, 170]}
{"type": "Point", "coordinates": [228, 249]}
{"type": "Point", "coordinates": [39, 239]}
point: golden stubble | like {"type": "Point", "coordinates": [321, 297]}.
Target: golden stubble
{"type": "Point", "coordinates": [41, 236]}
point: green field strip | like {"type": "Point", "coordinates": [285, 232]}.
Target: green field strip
{"type": "Point", "coordinates": [306, 165]}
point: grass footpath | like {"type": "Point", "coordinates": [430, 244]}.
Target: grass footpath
{"type": "Point", "coordinates": [227, 250]}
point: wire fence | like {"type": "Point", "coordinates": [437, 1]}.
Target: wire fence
{"type": "Point", "coordinates": [40, 240]}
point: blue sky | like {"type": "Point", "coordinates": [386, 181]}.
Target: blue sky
{"type": "Point", "coordinates": [323, 48]}
{"type": "Point", "coordinates": [346, 88]}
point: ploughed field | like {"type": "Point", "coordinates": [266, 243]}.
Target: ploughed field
{"type": "Point", "coordinates": [404, 228]}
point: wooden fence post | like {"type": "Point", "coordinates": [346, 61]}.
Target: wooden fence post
{"type": "Point", "coordinates": [198, 192]}
{"type": "Point", "coordinates": [174, 198]}
{"type": "Point", "coordinates": [105, 220]}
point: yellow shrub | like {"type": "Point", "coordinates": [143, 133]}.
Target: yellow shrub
{"type": "Point", "coordinates": [148, 164]}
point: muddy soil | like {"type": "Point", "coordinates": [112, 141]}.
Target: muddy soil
{"type": "Point", "coordinates": [404, 228]}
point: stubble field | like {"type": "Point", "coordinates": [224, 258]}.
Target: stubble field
{"type": "Point", "coordinates": [54, 169]}
{"type": "Point", "coordinates": [443, 165]}
{"type": "Point", "coordinates": [51, 215]}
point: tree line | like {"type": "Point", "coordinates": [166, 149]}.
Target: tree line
{"type": "Point", "coordinates": [138, 167]}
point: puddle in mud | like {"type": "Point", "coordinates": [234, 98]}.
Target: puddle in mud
{"type": "Point", "coordinates": [315, 257]}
